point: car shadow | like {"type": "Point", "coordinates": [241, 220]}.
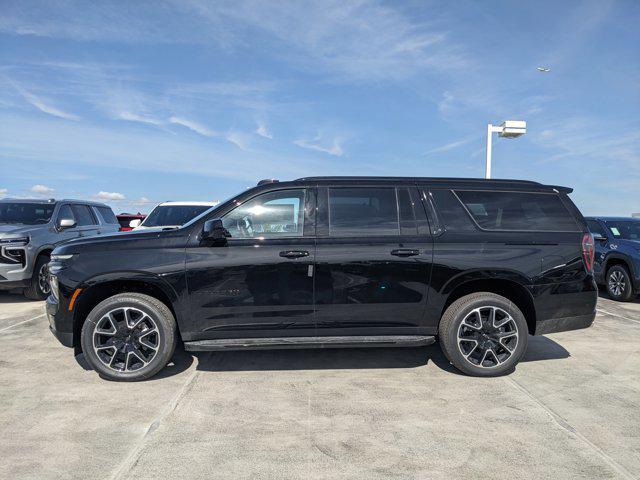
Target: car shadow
{"type": "Point", "coordinates": [539, 349]}
{"type": "Point", "coordinates": [180, 362]}
{"type": "Point", "coordinates": [602, 293]}
{"type": "Point", "coordinates": [14, 297]}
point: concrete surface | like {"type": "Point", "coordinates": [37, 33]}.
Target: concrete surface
{"type": "Point", "coordinates": [571, 410]}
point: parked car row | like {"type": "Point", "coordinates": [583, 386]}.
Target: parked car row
{"type": "Point", "coordinates": [327, 262]}
{"type": "Point", "coordinates": [617, 258]}
{"type": "Point", "coordinates": [30, 230]}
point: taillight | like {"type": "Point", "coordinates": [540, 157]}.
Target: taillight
{"type": "Point", "coordinates": [588, 251]}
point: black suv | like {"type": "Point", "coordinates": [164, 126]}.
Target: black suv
{"type": "Point", "coordinates": [617, 260]}
{"type": "Point", "coordinates": [334, 262]}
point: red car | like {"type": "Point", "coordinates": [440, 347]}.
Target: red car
{"type": "Point", "coordinates": [124, 219]}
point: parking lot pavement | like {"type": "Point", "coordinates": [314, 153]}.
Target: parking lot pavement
{"type": "Point", "coordinates": [569, 411]}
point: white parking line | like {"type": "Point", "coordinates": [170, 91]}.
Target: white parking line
{"type": "Point", "coordinates": [20, 323]}
{"type": "Point", "coordinates": [616, 315]}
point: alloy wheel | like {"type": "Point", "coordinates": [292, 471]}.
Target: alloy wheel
{"type": "Point", "coordinates": [617, 284]}
{"type": "Point", "coordinates": [126, 339]}
{"type": "Point", "coordinates": [43, 279]}
{"type": "Point", "coordinates": [487, 337]}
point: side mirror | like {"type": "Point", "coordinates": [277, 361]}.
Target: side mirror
{"type": "Point", "coordinates": [214, 231]}
{"type": "Point", "coordinates": [64, 223]}
{"type": "Point", "coordinates": [597, 236]}
{"type": "Point", "coordinates": [135, 223]}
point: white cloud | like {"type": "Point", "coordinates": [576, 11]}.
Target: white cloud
{"type": "Point", "coordinates": [134, 117]}
{"type": "Point", "coordinates": [25, 138]}
{"type": "Point", "coordinates": [263, 131]}
{"type": "Point", "coordinates": [41, 189]}
{"type": "Point", "coordinates": [109, 196]}
{"type": "Point", "coordinates": [46, 107]}
{"type": "Point", "coordinates": [451, 146]}
{"type": "Point", "coordinates": [194, 126]}
{"type": "Point", "coordinates": [3, 192]}
{"type": "Point", "coordinates": [358, 40]}
{"type": "Point", "coordinates": [239, 139]}
{"type": "Point", "coordinates": [333, 149]}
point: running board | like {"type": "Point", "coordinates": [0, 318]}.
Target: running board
{"type": "Point", "coordinates": [309, 342]}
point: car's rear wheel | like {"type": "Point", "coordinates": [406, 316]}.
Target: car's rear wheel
{"type": "Point", "coordinates": [129, 337]}
{"type": "Point", "coordinates": [38, 288]}
{"type": "Point", "coordinates": [619, 283]}
{"type": "Point", "coordinates": [483, 334]}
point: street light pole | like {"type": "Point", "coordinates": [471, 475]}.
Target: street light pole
{"type": "Point", "coordinates": [487, 171]}
{"type": "Point", "coordinates": [508, 129]}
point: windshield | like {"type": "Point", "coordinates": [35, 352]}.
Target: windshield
{"type": "Point", "coordinates": [171, 215]}
{"type": "Point", "coordinates": [627, 230]}
{"type": "Point", "coordinates": [26, 213]}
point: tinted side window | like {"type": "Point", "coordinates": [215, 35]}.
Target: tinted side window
{"type": "Point", "coordinates": [363, 211]}
{"type": "Point", "coordinates": [270, 215]}
{"type": "Point", "coordinates": [594, 227]}
{"type": "Point", "coordinates": [107, 215]}
{"type": "Point", "coordinates": [518, 211]}
{"type": "Point", "coordinates": [451, 211]}
{"type": "Point", "coordinates": [406, 210]}
{"type": "Point", "coordinates": [65, 212]}
{"type": "Point", "coordinates": [83, 215]}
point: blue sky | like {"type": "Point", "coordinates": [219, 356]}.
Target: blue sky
{"type": "Point", "coordinates": [140, 102]}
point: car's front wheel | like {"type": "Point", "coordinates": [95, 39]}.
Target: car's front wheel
{"type": "Point", "coordinates": [483, 334]}
{"type": "Point", "coordinates": [619, 284]}
{"type": "Point", "coordinates": [38, 288]}
{"type": "Point", "coordinates": [129, 337]}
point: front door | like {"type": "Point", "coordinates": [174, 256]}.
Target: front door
{"type": "Point", "coordinates": [260, 283]}
{"type": "Point", "coordinates": [68, 233]}
{"type": "Point", "coordinates": [373, 261]}
{"type": "Point", "coordinates": [86, 222]}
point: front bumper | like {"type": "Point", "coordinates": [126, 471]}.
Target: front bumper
{"type": "Point", "coordinates": [60, 323]}
{"type": "Point", "coordinates": [16, 265]}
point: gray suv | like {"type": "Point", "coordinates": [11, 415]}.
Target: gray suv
{"type": "Point", "coordinates": [29, 231]}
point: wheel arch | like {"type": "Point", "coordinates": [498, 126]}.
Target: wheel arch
{"type": "Point", "coordinates": [506, 287]}
{"type": "Point", "coordinates": [100, 288]}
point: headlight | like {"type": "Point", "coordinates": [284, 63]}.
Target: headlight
{"type": "Point", "coordinates": [53, 283]}
{"type": "Point", "coordinates": [58, 258]}
{"type": "Point", "coordinates": [14, 242]}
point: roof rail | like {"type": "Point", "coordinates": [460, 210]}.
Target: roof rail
{"type": "Point", "coordinates": [267, 181]}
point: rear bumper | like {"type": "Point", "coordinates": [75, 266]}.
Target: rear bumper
{"type": "Point", "coordinates": [564, 324]}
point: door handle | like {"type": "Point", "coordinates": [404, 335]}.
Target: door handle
{"type": "Point", "coordinates": [294, 253]}
{"type": "Point", "coordinates": [405, 252]}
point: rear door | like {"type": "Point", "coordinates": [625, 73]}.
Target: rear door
{"type": "Point", "coordinates": [108, 220]}
{"type": "Point", "coordinates": [260, 284]}
{"type": "Point", "coordinates": [373, 261]}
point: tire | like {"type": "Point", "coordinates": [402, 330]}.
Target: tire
{"type": "Point", "coordinates": [618, 284]}
{"type": "Point", "coordinates": [496, 350]}
{"type": "Point", "coordinates": [129, 354]}
{"type": "Point", "coordinates": [38, 288]}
